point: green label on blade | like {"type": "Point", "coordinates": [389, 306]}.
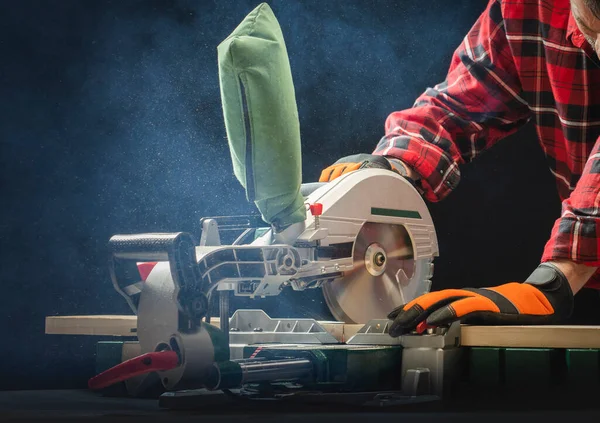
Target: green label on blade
{"type": "Point", "coordinates": [395, 213]}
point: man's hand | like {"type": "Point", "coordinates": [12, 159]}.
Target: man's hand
{"type": "Point", "coordinates": [362, 161]}
{"type": "Point", "coordinates": [544, 298]}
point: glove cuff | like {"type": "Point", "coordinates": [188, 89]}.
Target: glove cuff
{"type": "Point", "coordinates": [367, 160]}
{"type": "Point", "coordinates": [553, 283]}
{"type": "Point", "coordinates": [398, 166]}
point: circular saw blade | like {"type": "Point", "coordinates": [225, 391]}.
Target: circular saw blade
{"type": "Point", "coordinates": [383, 264]}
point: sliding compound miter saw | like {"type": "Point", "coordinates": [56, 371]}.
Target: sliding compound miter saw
{"type": "Point", "coordinates": [365, 239]}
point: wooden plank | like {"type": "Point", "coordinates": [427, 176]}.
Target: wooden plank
{"type": "Point", "coordinates": [471, 336]}
{"type": "Point", "coordinates": [126, 326]}
{"type": "Point", "coordinates": [531, 336]}
{"type": "Point", "coordinates": [91, 325]}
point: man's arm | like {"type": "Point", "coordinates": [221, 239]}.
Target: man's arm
{"type": "Point", "coordinates": [574, 244]}
{"type": "Point", "coordinates": [478, 104]}
{"type": "Point", "coordinates": [571, 257]}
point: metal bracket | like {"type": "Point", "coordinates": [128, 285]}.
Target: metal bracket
{"type": "Point", "coordinates": [375, 332]}
{"type": "Point", "coordinates": [256, 327]}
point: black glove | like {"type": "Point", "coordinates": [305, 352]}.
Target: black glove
{"type": "Point", "coordinates": [544, 298]}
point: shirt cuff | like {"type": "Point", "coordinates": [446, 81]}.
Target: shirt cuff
{"type": "Point", "coordinates": [574, 238]}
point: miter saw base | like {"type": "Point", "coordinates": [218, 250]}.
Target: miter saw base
{"type": "Point", "coordinates": [298, 361]}
{"type": "Point", "coordinates": [284, 398]}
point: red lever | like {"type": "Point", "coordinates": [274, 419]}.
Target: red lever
{"type": "Point", "coordinates": [316, 209]}
{"type": "Point", "coordinates": [145, 363]}
{"type": "Point", "coordinates": [423, 326]}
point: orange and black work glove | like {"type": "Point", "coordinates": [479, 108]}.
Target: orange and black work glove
{"type": "Point", "coordinates": [544, 298]}
{"type": "Point", "coordinates": [360, 161]}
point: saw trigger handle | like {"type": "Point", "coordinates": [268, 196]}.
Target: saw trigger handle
{"type": "Point", "coordinates": [145, 363]}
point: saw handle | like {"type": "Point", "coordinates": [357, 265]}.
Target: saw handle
{"type": "Point", "coordinates": [145, 363]}
{"type": "Point", "coordinates": [150, 246]}
{"type": "Point", "coordinates": [179, 249]}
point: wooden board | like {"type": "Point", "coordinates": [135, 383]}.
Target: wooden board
{"type": "Point", "coordinates": [531, 336]}
{"type": "Point", "coordinates": [126, 326]}
{"type": "Point", "coordinates": [91, 325]}
{"type": "Point", "coordinates": [471, 336]}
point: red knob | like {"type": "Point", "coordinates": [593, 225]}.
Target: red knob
{"type": "Point", "coordinates": [422, 327]}
{"type": "Point", "coordinates": [316, 209]}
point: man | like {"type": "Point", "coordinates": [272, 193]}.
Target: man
{"type": "Point", "coordinates": [522, 60]}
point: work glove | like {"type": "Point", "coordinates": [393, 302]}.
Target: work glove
{"type": "Point", "coordinates": [361, 161]}
{"type": "Point", "coordinates": [544, 298]}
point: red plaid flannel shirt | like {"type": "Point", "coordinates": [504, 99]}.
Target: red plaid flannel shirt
{"type": "Point", "coordinates": [522, 60]}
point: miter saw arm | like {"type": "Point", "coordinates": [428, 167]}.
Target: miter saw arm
{"type": "Point", "coordinates": [368, 237]}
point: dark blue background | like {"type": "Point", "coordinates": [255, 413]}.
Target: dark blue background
{"type": "Point", "coordinates": [111, 122]}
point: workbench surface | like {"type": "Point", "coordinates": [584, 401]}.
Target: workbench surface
{"type": "Point", "coordinates": [78, 405]}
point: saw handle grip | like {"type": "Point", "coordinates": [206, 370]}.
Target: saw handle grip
{"type": "Point", "coordinates": [179, 249]}
{"type": "Point", "coordinates": [150, 246]}
{"type": "Point", "coordinates": [145, 363]}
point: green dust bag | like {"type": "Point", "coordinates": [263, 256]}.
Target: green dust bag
{"type": "Point", "coordinates": [261, 117]}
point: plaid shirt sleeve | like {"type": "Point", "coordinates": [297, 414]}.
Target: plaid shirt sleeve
{"type": "Point", "coordinates": [476, 106]}
{"type": "Point", "coordinates": [576, 234]}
